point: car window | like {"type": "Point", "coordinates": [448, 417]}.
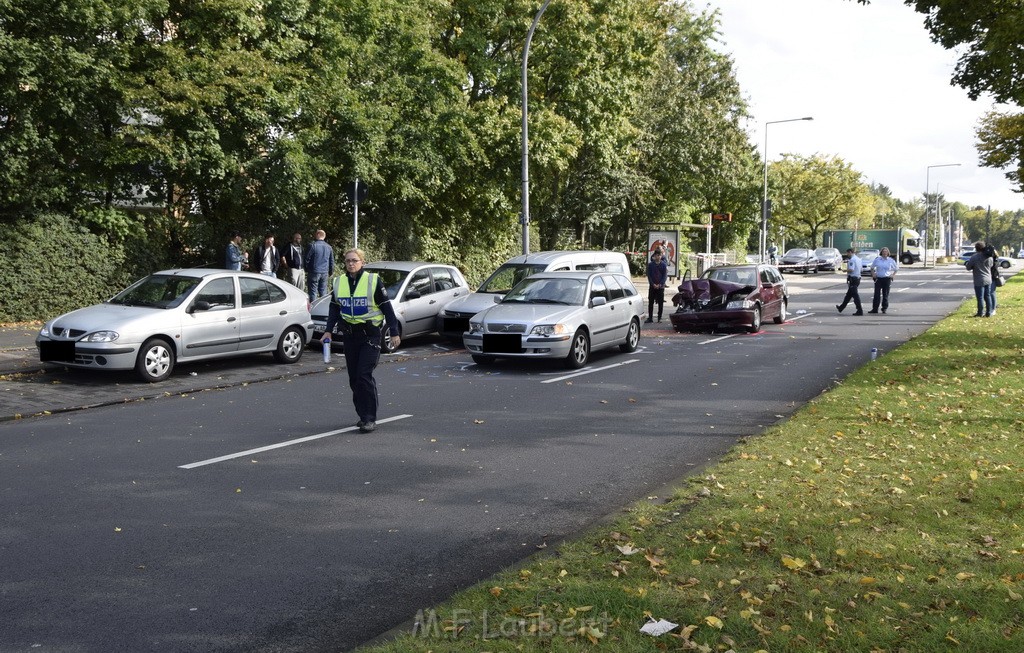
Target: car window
{"type": "Point", "coordinates": [766, 276]}
{"type": "Point", "coordinates": [627, 286]}
{"type": "Point", "coordinates": [257, 292]}
{"type": "Point", "coordinates": [421, 283]}
{"type": "Point", "coordinates": [507, 276]}
{"type": "Point", "coordinates": [219, 293]}
{"type": "Point", "coordinates": [601, 267]}
{"type": "Point", "coordinates": [158, 291]}
{"type": "Point", "coordinates": [443, 279]}
{"type": "Point", "coordinates": [614, 289]}
{"type": "Point", "coordinates": [545, 290]}
{"type": "Point", "coordinates": [392, 280]}
{"type": "Point", "coordinates": [598, 289]}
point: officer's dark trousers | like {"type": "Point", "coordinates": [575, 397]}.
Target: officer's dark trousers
{"type": "Point", "coordinates": [852, 287]}
{"type": "Point", "coordinates": [362, 351]}
{"type": "Point", "coordinates": [882, 285]}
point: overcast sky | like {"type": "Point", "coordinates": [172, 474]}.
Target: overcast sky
{"type": "Point", "coordinates": [877, 88]}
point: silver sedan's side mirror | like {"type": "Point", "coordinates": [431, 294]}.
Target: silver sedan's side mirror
{"type": "Point", "coordinates": [598, 301]}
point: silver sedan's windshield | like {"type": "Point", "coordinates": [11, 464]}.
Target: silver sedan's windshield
{"type": "Point", "coordinates": [569, 292]}
{"type": "Point", "coordinates": [157, 291]}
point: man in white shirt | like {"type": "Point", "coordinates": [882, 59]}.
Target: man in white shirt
{"type": "Point", "coordinates": [853, 266]}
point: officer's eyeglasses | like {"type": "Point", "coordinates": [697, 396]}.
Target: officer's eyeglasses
{"type": "Point", "coordinates": [353, 260]}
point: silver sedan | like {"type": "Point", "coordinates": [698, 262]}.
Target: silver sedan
{"type": "Point", "coordinates": [562, 315]}
{"type": "Point", "coordinates": [181, 315]}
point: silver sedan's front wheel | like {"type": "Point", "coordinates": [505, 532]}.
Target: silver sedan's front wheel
{"type": "Point", "coordinates": [156, 360]}
{"type": "Point", "coordinates": [579, 354]}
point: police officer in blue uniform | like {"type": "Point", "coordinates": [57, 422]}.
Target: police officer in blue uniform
{"type": "Point", "coordinates": [359, 307]}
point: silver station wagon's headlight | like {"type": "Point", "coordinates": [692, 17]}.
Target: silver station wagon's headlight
{"type": "Point", "coordinates": [476, 327]}
{"type": "Point", "coordinates": [549, 330]}
{"type": "Point", "coordinates": [101, 336]}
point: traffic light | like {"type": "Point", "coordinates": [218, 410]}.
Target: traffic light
{"type": "Point", "coordinates": [724, 217]}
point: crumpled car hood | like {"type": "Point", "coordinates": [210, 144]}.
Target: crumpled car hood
{"type": "Point", "coordinates": [703, 290]}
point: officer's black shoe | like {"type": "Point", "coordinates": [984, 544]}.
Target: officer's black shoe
{"type": "Point", "coordinates": [367, 427]}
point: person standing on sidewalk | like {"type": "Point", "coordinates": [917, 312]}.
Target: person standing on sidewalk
{"type": "Point", "coordinates": [657, 277]}
{"type": "Point", "coordinates": [980, 265]}
{"type": "Point", "coordinates": [883, 269]}
{"type": "Point", "coordinates": [294, 262]}
{"type": "Point", "coordinates": [996, 281]}
{"type": "Point", "coordinates": [319, 265]}
{"type": "Point", "coordinates": [853, 266]}
{"type": "Point", "coordinates": [234, 257]}
{"type": "Point", "coordinates": [267, 257]}
{"type": "Point", "coordinates": [359, 306]}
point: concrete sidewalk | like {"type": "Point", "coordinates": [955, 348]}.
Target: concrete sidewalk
{"type": "Point", "coordinates": [18, 348]}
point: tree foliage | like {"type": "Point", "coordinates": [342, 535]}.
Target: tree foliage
{"type": "Point", "coordinates": [815, 193]}
{"type": "Point", "coordinates": [180, 120]}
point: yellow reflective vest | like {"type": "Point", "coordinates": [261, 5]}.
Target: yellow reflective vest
{"type": "Point", "coordinates": [359, 306]}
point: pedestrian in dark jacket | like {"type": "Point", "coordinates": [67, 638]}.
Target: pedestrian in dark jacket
{"type": "Point", "coordinates": [657, 277]}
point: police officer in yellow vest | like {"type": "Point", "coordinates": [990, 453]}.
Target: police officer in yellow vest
{"type": "Point", "coordinates": [359, 307]}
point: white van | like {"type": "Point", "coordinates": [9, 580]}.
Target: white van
{"type": "Point", "coordinates": [454, 319]}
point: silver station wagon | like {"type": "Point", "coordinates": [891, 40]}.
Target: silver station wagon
{"type": "Point", "coordinates": [181, 315]}
{"type": "Point", "coordinates": [562, 315]}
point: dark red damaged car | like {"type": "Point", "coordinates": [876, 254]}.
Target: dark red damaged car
{"type": "Point", "coordinates": [731, 296]}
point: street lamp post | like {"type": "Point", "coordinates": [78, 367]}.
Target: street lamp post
{"type": "Point", "coordinates": [525, 217]}
{"type": "Point", "coordinates": [927, 190]}
{"type": "Point", "coordinates": [763, 239]}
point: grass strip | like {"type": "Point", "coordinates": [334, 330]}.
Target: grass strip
{"type": "Point", "coordinates": [884, 516]}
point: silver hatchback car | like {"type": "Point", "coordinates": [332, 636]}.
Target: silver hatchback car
{"type": "Point", "coordinates": [562, 315]}
{"type": "Point", "coordinates": [181, 315]}
{"type": "Point", "coordinates": [418, 292]}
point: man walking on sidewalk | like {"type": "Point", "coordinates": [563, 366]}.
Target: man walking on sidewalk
{"type": "Point", "coordinates": [853, 265]}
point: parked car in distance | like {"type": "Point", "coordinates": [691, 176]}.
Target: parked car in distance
{"type": "Point", "coordinates": [418, 291]}
{"type": "Point", "coordinates": [455, 317]}
{"type": "Point", "coordinates": [1002, 261]}
{"type": "Point", "coordinates": [798, 259]}
{"type": "Point", "coordinates": [731, 296]}
{"type": "Point", "coordinates": [1020, 254]}
{"type": "Point", "coordinates": [867, 259]}
{"type": "Point", "coordinates": [562, 315]}
{"type": "Point", "coordinates": [830, 259]}
{"type": "Point", "coordinates": [179, 316]}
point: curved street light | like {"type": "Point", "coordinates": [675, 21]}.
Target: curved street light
{"type": "Point", "coordinates": [524, 218]}
{"type": "Point", "coordinates": [763, 239]}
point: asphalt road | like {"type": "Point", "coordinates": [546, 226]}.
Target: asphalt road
{"type": "Point", "coordinates": [123, 529]}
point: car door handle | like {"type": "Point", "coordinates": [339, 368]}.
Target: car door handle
{"type": "Point", "coordinates": [283, 313]}
{"type": "Point", "coordinates": [432, 301]}
{"type": "Point", "coordinates": [231, 319]}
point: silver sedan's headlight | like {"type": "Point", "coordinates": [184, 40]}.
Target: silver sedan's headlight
{"type": "Point", "coordinates": [744, 303]}
{"type": "Point", "coordinates": [549, 330]}
{"type": "Point", "coordinates": [101, 336]}
{"type": "Point", "coordinates": [476, 327]}
{"type": "Point", "coordinates": [45, 331]}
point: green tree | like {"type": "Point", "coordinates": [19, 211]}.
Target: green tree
{"type": "Point", "coordinates": [815, 193]}
{"type": "Point", "coordinates": [692, 155]}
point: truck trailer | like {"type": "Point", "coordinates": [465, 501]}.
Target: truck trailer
{"type": "Point", "coordinates": [904, 244]}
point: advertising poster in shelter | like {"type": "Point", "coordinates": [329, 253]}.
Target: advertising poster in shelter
{"type": "Point", "coordinates": [668, 241]}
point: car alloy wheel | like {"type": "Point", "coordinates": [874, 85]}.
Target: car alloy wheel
{"type": "Point", "coordinates": [755, 325]}
{"type": "Point", "coordinates": [289, 347]}
{"type": "Point", "coordinates": [156, 360]}
{"type": "Point", "coordinates": [580, 351]}
{"type": "Point", "coordinates": [632, 336]}
{"type": "Point", "coordinates": [385, 340]}
{"type": "Point", "coordinates": [781, 317]}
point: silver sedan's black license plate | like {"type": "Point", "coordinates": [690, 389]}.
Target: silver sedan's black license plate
{"type": "Point", "coordinates": [503, 343]}
{"type": "Point", "coordinates": [61, 351]}
{"type": "Point", "coordinates": [455, 324]}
